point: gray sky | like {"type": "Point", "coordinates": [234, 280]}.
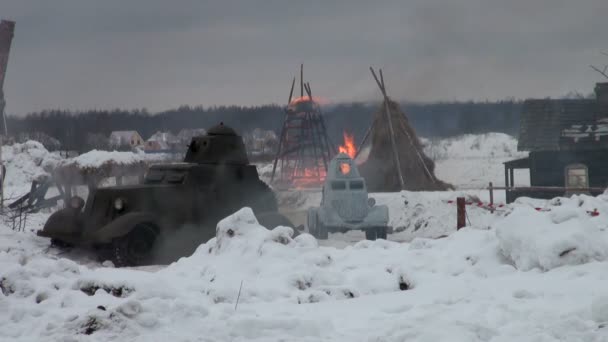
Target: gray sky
{"type": "Point", "coordinates": [160, 54]}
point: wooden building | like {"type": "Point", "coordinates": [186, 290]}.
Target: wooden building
{"type": "Point", "coordinates": [567, 141]}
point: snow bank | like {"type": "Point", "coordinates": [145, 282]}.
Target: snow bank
{"type": "Point", "coordinates": [459, 288]}
{"type": "Point", "coordinates": [275, 267]}
{"type": "Point", "coordinates": [564, 232]}
{"type": "Point", "coordinates": [26, 162]}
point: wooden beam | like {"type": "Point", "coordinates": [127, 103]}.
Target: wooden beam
{"type": "Point", "coordinates": [391, 130]}
{"type": "Point", "coordinates": [293, 83]}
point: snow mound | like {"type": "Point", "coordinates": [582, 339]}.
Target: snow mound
{"type": "Point", "coordinates": [26, 162]}
{"type": "Point", "coordinates": [274, 266]}
{"type": "Point", "coordinates": [565, 232]}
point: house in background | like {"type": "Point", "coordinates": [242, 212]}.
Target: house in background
{"type": "Point", "coordinates": [261, 142]}
{"type": "Point", "coordinates": [122, 139]}
{"type": "Point", "coordinates": [162, 142]}
{"type": "Point", "coordinates": [567, 141]}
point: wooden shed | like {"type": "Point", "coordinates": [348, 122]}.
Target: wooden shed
{"type": "Point", "coordinates": [567, 141]}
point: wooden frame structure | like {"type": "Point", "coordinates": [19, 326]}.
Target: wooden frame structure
{"type": "Point", "coordinates": [304, 147]}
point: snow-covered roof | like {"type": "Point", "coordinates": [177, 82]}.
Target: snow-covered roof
{"type": "Point", "coordinates": [96, 158]}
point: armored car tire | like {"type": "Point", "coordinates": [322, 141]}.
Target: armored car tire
{"type": "Point", "coordinates": [136, 248]}
{"type": "Point", "coordinates": [311, 222]}
{"type": "Point", "coordinates": [60, 243]}
{"type": "Point", "coordinates": [381, 233]}
{"type": "Point", "coordinates": [323, 233]}
{"type": "Point", "coordinates": [315, 227]}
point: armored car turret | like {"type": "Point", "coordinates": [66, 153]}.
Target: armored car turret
{"type": "Point", "coordinates": [345, 204]}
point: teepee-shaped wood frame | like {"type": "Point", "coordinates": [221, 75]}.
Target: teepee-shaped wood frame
{"type": "Point", "coordinates": [392, 126]}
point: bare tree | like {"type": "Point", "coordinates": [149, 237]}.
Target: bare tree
{"type": "Point", "coordinates": [604, 69]}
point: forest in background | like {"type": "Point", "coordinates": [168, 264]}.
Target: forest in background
{"type": "Point", "coordinates": [75, 130]}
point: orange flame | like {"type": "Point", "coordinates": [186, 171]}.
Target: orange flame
{"type": "Point", "coordinates": [316, 99]}
{"type": "Point", "coordinates": [345, 168]}
{"type": "Point", "coordinates": [349, 145]}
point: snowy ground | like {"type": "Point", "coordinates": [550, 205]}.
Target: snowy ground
{"type": "Point", "coordinates": [472, 161]}
{"type": "Point", "coordinates": [534, 270]}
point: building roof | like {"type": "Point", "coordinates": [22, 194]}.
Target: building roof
{"type": "Point", "coordinates": [572, 124]}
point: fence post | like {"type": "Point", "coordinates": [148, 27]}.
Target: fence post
{"type": "Point", "coordinates": [461, 213]}
{"type": "Point", "coordinates": [491, 197]}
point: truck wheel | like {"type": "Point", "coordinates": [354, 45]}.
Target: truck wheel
{"type": "Point", "coordinates": [381, 233]}
{"type": "Point", "coordinates": [370, 234]}
{"type": "Point", "coordinates": [135, 248]}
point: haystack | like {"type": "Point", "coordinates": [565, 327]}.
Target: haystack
{"type": "Point", "coordinates": [377, 157]}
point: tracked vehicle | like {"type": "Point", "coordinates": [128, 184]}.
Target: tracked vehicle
{"type": "Point", "coordinates": [174, 210]}
{"type": "Point", "coordinates": [345, 204]}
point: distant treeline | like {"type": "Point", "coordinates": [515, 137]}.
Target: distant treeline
{"type": "Point", "coordinates": [74, 129]}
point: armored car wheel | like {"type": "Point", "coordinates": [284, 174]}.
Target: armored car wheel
{"type": "Point", "coordinates": [316, 228]}
{"type": "Point", "coordinates": [135, 248]}
{"type": "Point", "coordinates": [381, 233]}
{"type": "Point", "coordinates": [322, 232]}
{"type": "Point", "coordinates": [60, 243]}
{"type": "Point", "coordinates": [311, 222]}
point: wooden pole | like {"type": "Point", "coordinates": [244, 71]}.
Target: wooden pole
{"type": "Point", "coordinates": [391, 130]}
{"type": "Point", "coordinates": [461, 213]}
{"type": "Point", "coordinates": [302, 80]}
{"type": "Point", "coordinates": [293, 83]}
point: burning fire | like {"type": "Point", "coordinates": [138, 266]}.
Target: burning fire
{"type": "Point", "coordinates": [345, 168]}
{"type": "Point", "coordinates": [349, 145]}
